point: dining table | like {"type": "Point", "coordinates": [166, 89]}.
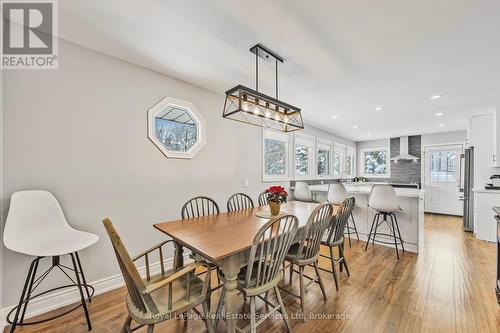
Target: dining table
{"type": "Point", "coordinates": [225, 240]}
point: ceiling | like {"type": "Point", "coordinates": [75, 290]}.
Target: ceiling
{"type": "Point", "coordinates": [342, 58]}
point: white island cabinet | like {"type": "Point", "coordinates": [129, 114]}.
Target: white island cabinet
{"type": "Point", "coordinates": [411, 219]}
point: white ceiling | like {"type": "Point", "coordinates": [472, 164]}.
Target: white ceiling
{"type": "Point", "coordinates": [342, 57]}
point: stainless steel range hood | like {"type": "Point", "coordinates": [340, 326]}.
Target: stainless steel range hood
{"type": "Point", "coordinates": [403, 151]}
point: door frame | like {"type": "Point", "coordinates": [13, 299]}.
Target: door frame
{"type": "Point", "coordinates": [425, 149]}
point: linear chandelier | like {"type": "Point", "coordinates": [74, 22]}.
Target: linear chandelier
{"type": "Point", "coordinates": [255, 108]}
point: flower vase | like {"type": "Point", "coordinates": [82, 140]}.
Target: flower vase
{"type": "Point", "coordinates": [275, 208]}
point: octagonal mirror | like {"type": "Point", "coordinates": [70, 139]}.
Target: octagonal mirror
{"type": "Point", "coordinates": [176, 128]}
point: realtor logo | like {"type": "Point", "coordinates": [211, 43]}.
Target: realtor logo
{"type": "Point", "coordinates": [29, 35]}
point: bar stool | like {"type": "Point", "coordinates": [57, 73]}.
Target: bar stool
{"type": "Point", "coordinates": [383, 199]}
{"type": "Point", "coordinates": [337, 194]}
{"type": "Point", "coordinates": [36, 227]}
{"type": "Point", "coordinates": [302, 192]}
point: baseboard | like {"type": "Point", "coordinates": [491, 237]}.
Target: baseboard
{"type": "Point", "coordinates": [62, 298]}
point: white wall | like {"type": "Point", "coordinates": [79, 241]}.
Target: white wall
{"type": "Point", "coordinates": [81, 133]}
{"type": "Point", "coordinates": [444, 138]}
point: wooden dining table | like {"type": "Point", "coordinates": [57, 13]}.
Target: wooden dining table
{"type": "Point", "coordinates": [225, 240]}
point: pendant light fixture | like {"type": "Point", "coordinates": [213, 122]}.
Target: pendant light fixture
{"type": "Point", "coordinates": [255, 108]}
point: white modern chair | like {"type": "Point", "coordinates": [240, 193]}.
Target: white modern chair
{"type": "Point", "coordinates": [36, 226]}
{"type": "Point", "coordinates": [337, 194]}
{"type": "Point", "coordinates": [384, 200]}
{"type": "Point", "coordinates": [302, 192]}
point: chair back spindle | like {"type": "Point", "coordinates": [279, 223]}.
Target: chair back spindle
{"type": "Point", "coordinates": [336, 229]}
{"type": "Point", "coordinates": [133, 281]}
{"type": "Point", "coordinates": [239, 201]}
{"type": "Point", "coordinates": [263, 199]}
{"type": "Point", "coordinates": [199, 206]}
{"type": "Point", "coordinates": [316, 226]}
{"type": "Point", "coordinates": [269, 249]}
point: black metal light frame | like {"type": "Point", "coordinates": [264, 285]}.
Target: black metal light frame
{"type": "Point", "coordinates": [252, 107]}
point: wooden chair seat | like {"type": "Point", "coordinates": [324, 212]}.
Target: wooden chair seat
{"type": "Point", "coordinates": [180, 303]}
{"type": "Point", "coordinates": [292, 256]}
{"type": "Point", "coordinates": [250, 290]}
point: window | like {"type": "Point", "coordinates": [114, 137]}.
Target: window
{"type": "Point", "coordinates": [376, 162]}
{"type": "Point", "coordinates": [338, 160]}
{"type": "Point", "coordinates": [304, 148]}
{"type": "Point", "coordinates": [350, 162]}
{"type": "Point", "coordinates": [275, 156]}
{"type": "Point", "coordinates": [176, 128]}
{"type": "Point", "coordinates": [323, 158]}
{"type": "Point", "coordinates": [444, 166]}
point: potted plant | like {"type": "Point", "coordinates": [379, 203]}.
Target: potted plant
{"type": "Point", "coordinates": [276, 195]}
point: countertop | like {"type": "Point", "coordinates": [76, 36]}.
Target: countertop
{"type": "Point", "coordinates": [483, 190]}
{"type": "Point", "coordinates": [366, 189]}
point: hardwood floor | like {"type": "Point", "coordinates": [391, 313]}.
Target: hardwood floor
{"type": "Point", "coordinates": [446, 288]}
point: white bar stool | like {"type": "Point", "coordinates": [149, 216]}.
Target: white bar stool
{"type": "Point", "coordinates": [337, 193]}
{"type": "Point", "coordinates": [384, 200]}
{"type": "Point", "coordinates": [36, 226]}
{"type": "Point", "coordinates": [302, 192]}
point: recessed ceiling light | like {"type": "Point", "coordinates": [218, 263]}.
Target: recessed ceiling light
{"type": "Point", "coordinates": [439, 114]}
{"type": "Point", "coordinates": [368, 133]}
{"type": "Point", "coordinates": [355, 126]}
{"type": "Point", "coordinates": [436, 97]}
{"type": "Point", "coordinates": [441, 125]}
{"type": "Point", "coordinates": [378, 108]}
{"type": "Point", "coordinates": [335, 117]}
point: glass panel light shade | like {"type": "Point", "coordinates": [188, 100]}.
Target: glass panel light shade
{"type": "Point", "coordinates": [252, 107]}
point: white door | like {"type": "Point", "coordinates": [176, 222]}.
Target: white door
{"type": "Point", "coordinates": [442, 179]}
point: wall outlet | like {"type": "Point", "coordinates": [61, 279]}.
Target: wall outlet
{"type": "Point", "coordinates": [245, 182]}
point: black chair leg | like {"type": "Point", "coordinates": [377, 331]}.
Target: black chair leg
{"type": "Point", "coordinates": [83, 276]}
{"type": "Point", "coordinates": [30, 289]}
{"type": "Point", "coordinates": [79, 284]}
{"type": "Point", "coordinates": [376, 227]}
{"type": "Point", "coordinates": [393, 229]}
{"type": "Point", "coordinates": [399, 233]}
{"type": "Point", "coordinates": [21, 299]}
{"type": "Point", "coordinates": [370, 233]}
{"type": "Point", "coordinates": [354, 226]}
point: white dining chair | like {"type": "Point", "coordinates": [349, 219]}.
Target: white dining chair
{"type": "Point", "coordinates": [36, 226]}
{"type": "Point", "coordinates": [302, 192]}
{"type": "Point", "coordinates": [337, 194]}
{"type": "Point", "coordinates": [384, 201]}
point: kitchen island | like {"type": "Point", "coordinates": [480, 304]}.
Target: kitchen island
{"type": "Point", "coordinates": [411, 219]}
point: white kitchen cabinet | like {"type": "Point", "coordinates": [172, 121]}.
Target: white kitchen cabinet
{"type": "Point", "coordinates": [480, 134]}
{"type": "Point", "coordinates": [484, 222]}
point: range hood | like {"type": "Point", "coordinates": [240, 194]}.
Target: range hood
{"type": "Point", "coordinates": [403, 151]}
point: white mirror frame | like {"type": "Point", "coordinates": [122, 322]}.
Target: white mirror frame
{"type": "Point", "coordinates": [201, 129]}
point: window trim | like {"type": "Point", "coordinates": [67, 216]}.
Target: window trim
{"type": "Point", "coordinates": [194, 113]}
{"type": "Point", "coordinates": [320, 143]}
{"type": "Point", "coordinates": [352, 152]}
{"type": "Point", "coordinates": [277, 136]}
{"type": "Point", "coordinates": [387, 162]}
{"type": "Point", "coordinates": [308, 141]}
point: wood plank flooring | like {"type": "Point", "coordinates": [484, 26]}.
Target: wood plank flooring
{"type": "Point", "coordinates": [446, 288]}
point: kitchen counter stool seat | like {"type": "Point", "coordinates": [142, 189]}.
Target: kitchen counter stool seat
{"type": "Point", "coordinates": [337, 193]}
{"type": "Point", "coordinates": [384, 200]}
{"type": "Point", "coordinates": [36, 226]}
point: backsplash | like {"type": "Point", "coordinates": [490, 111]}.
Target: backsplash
{"type": "Point", "coordinates": [407, 171]}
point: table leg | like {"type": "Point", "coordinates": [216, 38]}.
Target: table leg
{"type": "Point", "coordinates": [179, 256]}
{"type": "Point", "coordinates": [230, 268]}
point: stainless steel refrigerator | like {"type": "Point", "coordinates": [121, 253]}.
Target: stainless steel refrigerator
{"type": "Point", "coordinates": [466, 186]}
